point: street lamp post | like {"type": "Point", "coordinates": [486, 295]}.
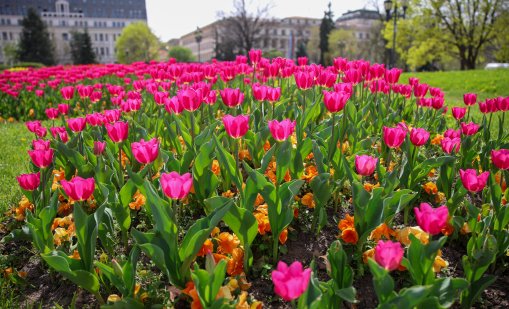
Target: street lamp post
{"type": "Point", "coordinates": [388, 5]}
{"type": "Point", "coordinates": [198, 37]}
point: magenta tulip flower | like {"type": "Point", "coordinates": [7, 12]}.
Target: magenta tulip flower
{"type": "Point", "coordinates": [145, 151]}
{"type": "Point", "coordinates": [63, 109]}
{"type": "Point", "coordinates": [176, 186]}
{"type": "Point", "coordinates": [231, 97]}
{"type": "Point", "coordinates": [281, 130]}
{"type": "Point", "coordinates": [259, 91]}
{"type": "Point", "coordinates": [473, 182]}
{"type": "Point", "coordinates": [500, 158]}
{"type": "Point", "coordinates": [388, 254]}
{"type": "Point", "coordinates": [451, 144]}
{"type": "Point", "coordinates": [469, 98]}
{"type": "Point", "coordinates": [304, 80]}
{"type": "Point", "coordinates": [255, 55]}
{"type": "Point", "coordinates": [79, 189]}
{"type": "Point", "coordinates": [431, 220]}
{"type": "Point", "coordinates": [419, 136]}
{"type": "Point", "coordinates": [41, 158]}
{"type": "Point", "coordinates": [99, 148]}
{"type": "Point", "coordinates": [451, 133]}
{"type": "Point", "coordinates": [335, 101]}
{"type": "Point", "coordinates": [67, 92]}
{"type": "Point", "coordinates": [394, 137]}
{"type": "Point", "coordinates": [118, 131]}
{"type": "Point", "coordinates": [469, 128]}
{"type": "Point", "coordinates": [273, 94]}
{"type": "Point", "coordinates": [365, 165]}
{"type": "Point", "coordinates": [40, 144]}
{"type": "Point", "coordinates": [32, 126]}
{"type": "Point", "coordinates": [29, 182]}
{"type": "Point", "coordinates": [290, 281]}
{"type": "Point", "coordinates": [77, 124]}
{"type": "Point", "coordinates": [52, 113]}
{"type": "Point", "coordinates": [173, 105]}
{"type": "Point", "coordinates": [190, 99]}
{"type": "Point", "coordinates": [458, 112]}
{"type": "Point", "coordinates": [237, 126]}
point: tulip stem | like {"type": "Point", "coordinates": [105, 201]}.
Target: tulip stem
{"type": "Point", "coordinates": [192, 130]}
{"type": "Point", "coordinates": [120, 169]}
{"type": "Point", "coordinates": [237, 161]}
{"type": "Point", "coordinates": [332, 147]}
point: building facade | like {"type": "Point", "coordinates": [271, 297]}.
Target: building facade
{"type": "Point", "coordinates": [103, 19]}
{"type": "Point", "coordinates": [281, 35]}
{"type": "Point", "coordinates": [361, 22]}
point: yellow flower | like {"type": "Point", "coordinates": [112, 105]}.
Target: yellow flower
{"type": "Point", "coordinates": [437, 140]}
{"type": "Point", "coordinates": [139, 200]}
{"type": "Point", "coordinates": [307, 200]}
{"type": "Point", "coordinates": [369, 187]}
{"type": "Point", "coordinates": [402, 235]}
{"type": "Point", "coordinates": [439, 262]}
{"type": "Point", "coordinates": [430, 188]}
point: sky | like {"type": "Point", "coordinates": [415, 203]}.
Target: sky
{"type": "Point", "coordinates": [173, 18]}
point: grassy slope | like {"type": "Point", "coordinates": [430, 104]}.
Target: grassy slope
{"type": "Point", "coordinates": [15, 139]}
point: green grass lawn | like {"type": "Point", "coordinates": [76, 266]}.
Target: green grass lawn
{"type": "Point", "coordinates": [14, 160]}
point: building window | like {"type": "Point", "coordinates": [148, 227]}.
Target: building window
{"type": "Point", "coordinates": [274, 32]}
{"type": "Point", "coordinates": [65, 36]}
{"type": "Point", "coordinates": [101, 37]}
{"type": "Point", "coordinates": [283, 32]}
{"type": "Point", "coordinates": [106, 37]}
{"type": "Point", "coordinates": [107, 51]}
{"type": "Point", "coordinates": [10, 36]}
{"type": "Point", "coordinates": [102, 51]}
{"type": "Point", "coordinates": [360, 35]}
{"type": "Point", "coordinates": [274, 44]}
{"type": "Point", "coordinates": [95, 37]}
{"type": "Point", "coordinates": [367, 36]}
{"type": "Point", "coordinates": [4, 36]}
{"type": "Point", "coordinates": [282, 43]}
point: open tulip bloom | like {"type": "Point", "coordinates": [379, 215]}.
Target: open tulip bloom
{"type": "Point", "coordinates": [79, 189]}
{"type": "Point", "coordinates": [431, 220]}
{"type": "Point", "coordinates": [290, 281]}
{"type": "Point", "coordinates": [473, 182]}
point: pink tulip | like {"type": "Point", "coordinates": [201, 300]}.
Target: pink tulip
{"type": "Point", "coordinates": [84, 91]}
{"type": "Point", "coordinates": [211, 97]}
{"type": "Point", "coordinates": [437, 102]}
{"type": "Point", "coordinates": [99, 148]}
{"type": "Point", "coordinates": [32, 126]}
{"type": "Point", "coordinates": [290, 281]}
{"type": "Point", "coordinates": [236, 127]}
{"type": "Point", "coordinates": [451, 133]}
{"type": "Point", "coordinates": [471, 181]}
{"type": "Point", "coordinates": [40, 144]}
{"type": "Point", "coordinates": [388, 254]}
{"type": "Point", "coordinates": [231, 97]}
{"type": "Point", "coordinates": [29, 182]}
{"type": "Point", "coordinates": [259, 91]}
{"type": "Point", "coordinates": [77, 124]}
{"type": "Point", "coordinates": [420, 90]}
{"type": "Point", "coordinates": [469, 98]}
{"type": "Point", "coordinates": [255, 55]}
{"type": "Point", "coordinates": [500, 158]}
{"type": "Point", "coordinates": [145, 151]}
{"type": "Point", "coordinates": [63, 109]}
{"type": "Point", "coordinates": [273, 94]}
{"type": "Point", "coordinates": [41, 131]}
{"type": "Point", "coordinates": [392, 75]}
{"type": "Point", "coordinates": [302, 61]}
{"type": "Point", "coordinates": [335, 101]}
{"type": "Point", "coordinates": [159, 97]}
{"type": "Point", "coordinates": [419, 136]}
{"type": "Point", "coordinates": [95, 119]}
{"type": "Point", "coordinates": [451, 144]}
{"type": "Point", "coordinates": [281, 130]}
{"type": "Point", "coordinates": [173, 105]}
{"type": "Point", "coordinates": [176, 186]}
{"type": "Point", "coordinates": [190, 99]}
{"type": "Point", "coordinates": [39, 92]}
{"type": "Point", "coordinates": [394, 137]}
{"type": "Point", "coordinates": [41, 158]}
{"type": "Point", "coordinates": [79, 189]}
{"type": "Point", "coordinates": [304, 80]}
{"type": "Point", "coordinates": [365, 165]}
{"type": "Point", "coordinates": [52, 113]}
{"type": "Point", "coordinates": [469, 128]}
{"type": "Point", "coordinates": [111, 115]}
{"type": "Point", "coordinates": [95, 96]}
{"type": "Point", "coordinates": [118, 131]}
{"type": "Point", "coordinates": [67, 92]}
{"type": "Point", "coordinates": [431, 220]}
{"type": "Point", "coordinates": [458, 112]}
{"type": "Point", "coordinates": [63, 136]}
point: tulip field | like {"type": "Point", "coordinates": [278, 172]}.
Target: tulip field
{"type": "Point", "coordinates": [254, 183]}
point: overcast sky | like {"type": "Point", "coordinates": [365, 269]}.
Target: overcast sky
{"type": "Point", "coordinates": [174, 18]}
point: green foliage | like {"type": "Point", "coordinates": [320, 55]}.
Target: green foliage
{"type": "Point", "coordinates": [273, 53]}
{"type": "Point", "coordinates": [208, 282]}
{"type": "Point", "coordinates": [81, 48]}
{"type": "Point", "coordinates": [326, 27]}
{"type": "Point", "coordinates": [35, 44]}
{"type": "Point", "coordinates": [181, 54]}
{"type": "Point", "coordinates": [137, 43]}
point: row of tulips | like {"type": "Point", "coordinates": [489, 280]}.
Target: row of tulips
{"type": "Point", "coordinates": [202, 167]}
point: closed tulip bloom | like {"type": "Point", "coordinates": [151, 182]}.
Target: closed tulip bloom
{"type": "Point", "coordinates": [95, 119]}
{"type": "Point", "coordinates": [469, 128]}
{"type": "Point", "coordinates": [41, 158]}
{"type": "Point", "coordinates": [259, 91]}
{"type": "Point", "coordinates": [431, 220]}
{"type": "Point", "coordinates": [392, 75]}
{"type": "Point", "coordinates": [118, 131]}
{"type": "Point", "coordinates": [335, 101]}
{"type": "Point", "coordinates": [231, 97]}
{"type": "Point", "coordinates": [255, 55]}
{"type": "Point", "coordinates": [451, 133]}
{"type": "Point", "coordinates": [484, 107]}
{"type": "Point", "coordinates": [273, 94]}
{"type": "Point", "coordinates": [500, 158]}
{"type": "Point", "coordinates": [40, 144]}
{"type": "Point", "coordinates": [173, 105]}
{"type": "Point", "coordinates": [63, 136]}
{"type": "Point", "coordinates": [281, 130]}
{"type": "Point", "coordinates": [365, 165]}
{"type": "Point", "coordinates": [290, 281]}
{"type": "Point", "coordinates": [41, 131]}
{"type": "Point", "coordinates": [176, 186]}
{"type": "Point", "coordinates": [458, 112]}
{"type": "Point", "coordinates": [469, 98]}
{"type": "Point", "coordinates": [145, 151]}
{"type": "Point", "coordinates": [67, 92]}
{"type": "Point", "coordinates": [77, 124]}
{"type": "Point", "coordinates": [99, 147]}
{"type": "Point", "coordinates": [437, 102]}
{"type": "Point", "coordinates": [419, 136]}
{"type": "Point", "coordinates": [190, 99]}
{"type": "Point", "coordinates": [303, 79]}
{"type": "Point", "coordinates": [32, 126]}
{"type": "Point", "coordinates": [79, 189]}
{"type": "Point", "coordinates": [394, 137]}
{"type": "Point", "coordinates": [52, 113]}
{"type": "Point", "coordinates": [63, 109]}
{"type": "Point", "coordinates": [451, 144]}
{"type": "Point", "coordinates": [236, 127]}
{"type": "Point", "coordinates": [389, 254]}
{"type": "Point", "coordinates": [84, 91]}
{"type": "Point", "coordinates": [420, 90]}
{"type": "Point", "coordinates": [29, 182]}
{"type": "Point", "coordinates": [471, 181]}
{"type": "Point", "coordinates": [111, 115]}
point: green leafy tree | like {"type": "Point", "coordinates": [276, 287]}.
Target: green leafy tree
{"type": "Point", "coordinates": [313, 45]}
{"type": "Point", "coordinates": [81, 48]}
{"type": "Point", "coordinates": [500, 43]}
{"type": "Point", "coordinates": [182, 54]}
{"type": "Point", "coordinates": [10, 53]}
{"type": "Point", "coordinates": [137, 43]}
{"type": "Point", "coordinates": [273, 53]}
{"type": "Point", "coordinates": [326, 27]}
{"type": "Point", "coordinates": [342, 42]}
{"type": "Point", "coordinates": [35, 44]}
{"type": "Point", "coordinates": [301, 50]}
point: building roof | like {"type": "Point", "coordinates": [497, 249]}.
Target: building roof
{"type": "Point", "coordinates": [359, 14]}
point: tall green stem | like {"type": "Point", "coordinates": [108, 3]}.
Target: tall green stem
{"type": "Point", "coordinates": [192, 130]}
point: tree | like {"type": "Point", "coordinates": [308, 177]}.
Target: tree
{"type": "Point", "coordinates": [313, 45]}
{"type": "Point", "coordinates": [241, 28]}
{"type": "Point", "coordinates": [301, 50]}
{"type": "Point", "coordinates": [326, 26]}
{"type": "Point", "coordinates": [35, 44]}
{"type": "Point", "coordinates": [469, 25]}
{"type": "Point", "coordinates": [342, 42]}
{"type": "Point", "coordinates": [10, 53]}
{"type": "Point", "coordinates": [499, 46]}
{"type": "Point", "coordinates": [81, 48]}
{"type": "Point", "coordinates": [137, 43]}
{"type": "Point", "coordinates": [181, 54]}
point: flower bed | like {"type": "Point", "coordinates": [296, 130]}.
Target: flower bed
{"type": "Point", "coordinates": [214, 180]}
